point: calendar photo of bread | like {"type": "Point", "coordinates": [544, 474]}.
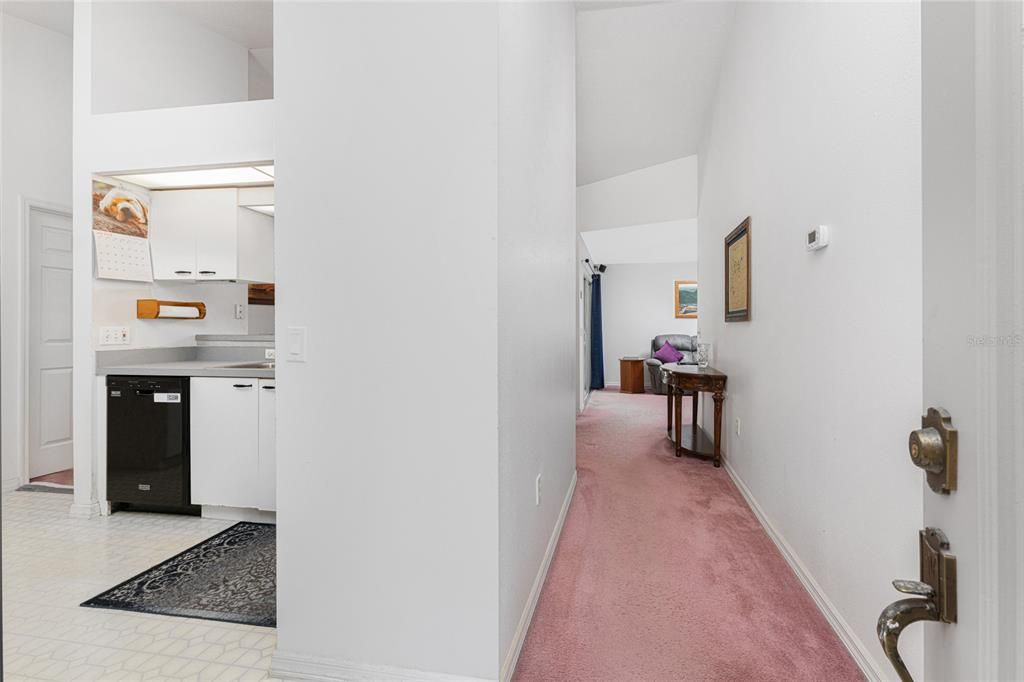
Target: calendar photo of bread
{"type": "Point", "coordinates": [121, 209]}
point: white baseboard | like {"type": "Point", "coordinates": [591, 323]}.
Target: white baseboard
{"type": "Point", "coordinates": [299, 667]}
{"type": "Point", "coordinates": [238, 514]}
{"type": "Point", "coordinates": [9, 484]}
{"type": "Point", "coordinates": [84, 511]}
{"type": "Point", "coordinates": [508, 666]}
{"type": "Point", "coordinates": [850, 640]}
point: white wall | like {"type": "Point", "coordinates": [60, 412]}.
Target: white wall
{"type": "Point", "coordinates": [818, 121]}
{"type": "Point", "coordinates": [536, 299]}
{"type": "Point", "coordinates": [261, 318]}
{"type": "Point", "coordinates": [147, 56]}
{"type": "Point", "coordinates": [394, 507]}
{"type": "Point", "coordinates": [673, 241]}
{"type": "Point", "coordinates": [667, 191]}
{"type": "Point", "coordinates": [114, 305]}
{"type": "Point", "coordinates": [426, 419]}
{"type": "Point", "coordinates": [36, 143]}
{"type": "Point", "coordinates": [637, 304]}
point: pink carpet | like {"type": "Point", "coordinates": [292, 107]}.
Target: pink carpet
{"type": "Point", "coordinates": [663, 572]}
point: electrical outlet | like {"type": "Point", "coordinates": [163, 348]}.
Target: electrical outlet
{"type": "Point", "coordinates": [239, 311]}
{"type": "Point", "coordinates": [737, 426]}
{"type": "Point", "coordinates": [537, 491]}
{"type": "Point", "coordinates": [115, 336]}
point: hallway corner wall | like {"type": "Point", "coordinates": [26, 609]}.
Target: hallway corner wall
{"type": "Point", "coordinates": [537, 313]}
{"type": "Point", "coordinates": [388, 182]}
{"type": "Point", "coordinates": [817, 120]}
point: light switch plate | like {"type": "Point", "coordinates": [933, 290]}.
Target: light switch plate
{"type": "Point", "coordinates": [296, 344]}
{"type": "Point", "coordinates": [115, 336]}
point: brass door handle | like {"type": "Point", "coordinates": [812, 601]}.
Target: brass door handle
{"type": "Point", "coordinates": [933, 447]}
{"type": "Point", "coordinates": [897, 616]}
{"type": "Point", "coordinates": [934, 597]}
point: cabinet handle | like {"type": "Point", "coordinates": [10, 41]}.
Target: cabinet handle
{"type": "Point", "coordinates": [268, 388]}
{"type": "Point", "coordinates": [243, 385]}
{"type": "Point", "coordinates": [182, 272]}
{"type": "Point", "coordinates": [207, 272]}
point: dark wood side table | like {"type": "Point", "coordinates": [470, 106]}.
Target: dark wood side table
{"type": "Point", "coordinates": [631, 375]}
{"type": "Point", "coordinates": [691, 378]}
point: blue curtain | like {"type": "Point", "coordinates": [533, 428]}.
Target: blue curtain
{"type": "Point", "coordinates": [596, 337]}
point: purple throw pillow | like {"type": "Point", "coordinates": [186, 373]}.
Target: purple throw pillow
{"type": "Point", "coordinates": [667, 354]}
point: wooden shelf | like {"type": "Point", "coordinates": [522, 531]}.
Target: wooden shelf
{"type": "Point", "coordinates": [695, 442]}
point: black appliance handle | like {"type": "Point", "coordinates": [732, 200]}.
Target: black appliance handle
{"type": "Point", "coordinates": [243, 385]}
{"type": "Point", "coordinates": [268, 388]}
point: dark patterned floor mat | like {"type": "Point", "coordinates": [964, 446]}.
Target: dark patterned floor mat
{"type": "Point", "coordinates": [230, 577]}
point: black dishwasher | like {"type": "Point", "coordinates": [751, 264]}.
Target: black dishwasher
{"type": "Point", "coordinates": [147, 443]}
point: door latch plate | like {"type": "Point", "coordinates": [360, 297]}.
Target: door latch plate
{"type": "Point", "coordinates": [938, 570]}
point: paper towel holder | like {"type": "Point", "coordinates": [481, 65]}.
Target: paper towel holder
{"type": "Point", "coordinates": [149, 309]}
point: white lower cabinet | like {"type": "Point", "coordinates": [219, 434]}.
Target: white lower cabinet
{"type": "Point", "coordinates": [267, 479]}
{"type": "Point", "coordinates": [229, 419]}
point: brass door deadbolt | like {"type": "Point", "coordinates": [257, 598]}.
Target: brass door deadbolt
{"type": "Point", "coordinates": [933, 447]}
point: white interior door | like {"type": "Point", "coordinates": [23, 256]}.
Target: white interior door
{"type": "Point", "coordinates": [49, 348]}
{"type": "Point", "coordinates": [973, 275]}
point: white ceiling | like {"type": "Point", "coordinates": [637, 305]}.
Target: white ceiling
{"type": "Point", "coordinates": [56, 15]}
{"type": "Point", "coordinates": [645, 77]}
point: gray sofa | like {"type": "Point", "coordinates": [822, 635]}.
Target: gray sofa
{"type": "Point", "coordinates": [687, 345]}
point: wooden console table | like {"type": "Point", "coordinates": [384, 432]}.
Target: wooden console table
{"type": "Point", "coordinates": [680, 379]}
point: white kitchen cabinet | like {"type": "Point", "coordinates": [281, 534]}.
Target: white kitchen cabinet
{"type": "Point", "coordinates": [224, 445]}
{"type": "Point", "coordinates": [204, 235]}
{"type": "Point", "coordinates": [172, 236]}
{"type": "Point", "coordinates": [267, 477]}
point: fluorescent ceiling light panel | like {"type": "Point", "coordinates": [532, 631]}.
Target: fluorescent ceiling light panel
{"type": "Point", "coordinates": [204, 177]}
{"type": "Point", "coordinates": [266, 210]}
{"type": "Point", "coordinates": [269, 170]}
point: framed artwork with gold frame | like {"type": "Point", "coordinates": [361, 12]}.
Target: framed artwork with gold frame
{"type": "Point", "coordinates": [686, 298]}
{"type": "Point", "coordinates": [737, 273]}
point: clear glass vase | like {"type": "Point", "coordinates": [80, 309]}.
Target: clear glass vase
{"type": "Point", "coordinates": [703, 353]}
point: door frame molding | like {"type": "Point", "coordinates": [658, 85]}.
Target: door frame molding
{"type": "Point", "coordinates": [999, 243]}
{"type": "Point", "coordinates": [26, 207]}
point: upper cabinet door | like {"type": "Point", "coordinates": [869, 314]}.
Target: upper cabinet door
{"type": "Point", "coordinates": [204, 235]}
{"type": "Point", "coordinates": [216, 218]}
{"type": "Point", "coordinates": [172, 236]}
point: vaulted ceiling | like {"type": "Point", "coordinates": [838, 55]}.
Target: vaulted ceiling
{"type": "Point", "coordinates": [645, 77]}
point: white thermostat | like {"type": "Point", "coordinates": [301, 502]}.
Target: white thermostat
{"type": "Point", "coordinates": [817, 238]}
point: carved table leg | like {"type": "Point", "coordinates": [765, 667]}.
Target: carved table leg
{"type": "Point", "coordinates": [719, 398]}
{"type": "Point", "coordinates": [679, 423]}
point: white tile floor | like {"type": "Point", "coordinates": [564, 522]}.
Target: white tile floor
{"type": "Point", "coordinates": [52, 563]}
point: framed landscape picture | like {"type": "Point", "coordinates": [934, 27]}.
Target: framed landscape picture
{"type": "Point", "coordinates": [686, 298]}
{"type": "Point", "coordinates": [737, 273]}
